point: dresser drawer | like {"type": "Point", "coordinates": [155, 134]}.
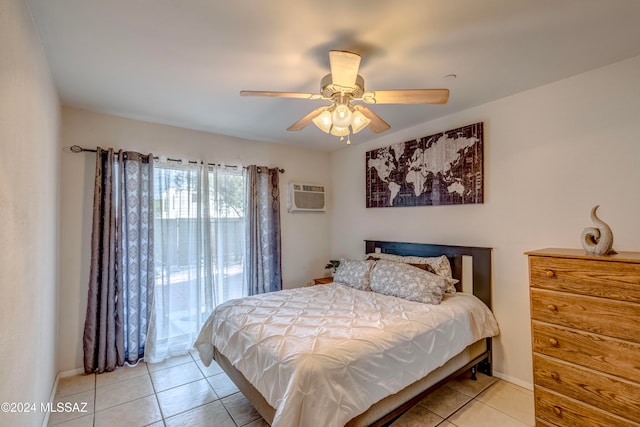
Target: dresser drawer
{"type": "Point", "coordinates": [617, 319]}
{"type": "Point", "coordinates": [610, 355]}
{"type": "Point", "coordinates": [615, 280]}
{"type": "Point", "coordinates": [559, 410]}
{"type": "Point", "coordinates": [602, 391]}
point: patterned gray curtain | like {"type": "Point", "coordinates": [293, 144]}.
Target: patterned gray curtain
{"type": "Point", "coordinates": [263, 266]}
{"type": "Point", "coordinates": [121, 279]}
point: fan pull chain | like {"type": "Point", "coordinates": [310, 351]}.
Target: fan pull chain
{"type": "Point", "coordinates": [348, 139]}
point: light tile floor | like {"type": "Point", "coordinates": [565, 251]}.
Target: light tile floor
{"type": "Point", "coordinates": [183, 392]}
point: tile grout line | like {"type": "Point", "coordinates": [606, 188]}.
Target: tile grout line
{"type": "Point", "coordinates": [119, 381]}
{"type": "Point", "coordinates": [472, 398]}
{"type": "Point", "coordinates": [498, 409]}
{"type": "Point", "coordinates": [220, 399]}
{"type": "Point", "coordinates": [225, 408]}
{"type": "Point", "coordinates": [155, 394]}
{"type": "Point", "coordinates": [485, 404]}
{"type": "Point", "coordinates": [502, 412]}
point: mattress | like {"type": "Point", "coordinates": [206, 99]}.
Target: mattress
{"type": "Point", "coordinates": [322, 355]}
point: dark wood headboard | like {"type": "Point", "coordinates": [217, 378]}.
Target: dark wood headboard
{"type": "Point", "coordinates": [481, 261]}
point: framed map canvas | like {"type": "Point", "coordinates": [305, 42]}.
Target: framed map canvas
{"type": "Point", "coordinates": [441, 169]}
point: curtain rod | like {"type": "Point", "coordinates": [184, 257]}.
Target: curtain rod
{"type": "Point", "coordinates": [78, 149]}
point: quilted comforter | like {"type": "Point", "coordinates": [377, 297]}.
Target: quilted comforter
{"type": "Point", "coordinates": [322, 355]}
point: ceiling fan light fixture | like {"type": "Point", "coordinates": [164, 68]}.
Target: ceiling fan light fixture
{"type": "Point", "coordinates": [359, 121]}
{"type": "Point", "coordinates": [341, 116]}
{"type": "Point", "coordinates": [340, 131]}
{"type": "Point", "coordinates": [323, 121]}
{"type": "Point", "coordinates": [343, 85]}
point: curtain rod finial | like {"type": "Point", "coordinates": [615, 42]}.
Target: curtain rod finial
{"type": "Point", "coordinates": [74, 149]}
{"type": "Point", "coordinates": [78, 149]}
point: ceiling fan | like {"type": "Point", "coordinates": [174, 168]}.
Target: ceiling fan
{"type": "Point", "coordinates": [344, 86]}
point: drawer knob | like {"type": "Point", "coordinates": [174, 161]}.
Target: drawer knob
{"type": "Point", "coordinates": [557, 410]}
{"type": "Point", "coordinates": [552, 307]}
{"type": "Point", "coordinates": [553, 342]}
{"type": "Point", "coordinates": [551, 273]}
{"type": "Point", "coordinates": [555, 375]}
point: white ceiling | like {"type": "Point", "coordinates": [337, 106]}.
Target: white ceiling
{"type": "Point", "coordinates": [183, 62]}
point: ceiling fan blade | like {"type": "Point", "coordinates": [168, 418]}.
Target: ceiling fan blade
{"type": "Point", "coordinates": [407, 96]}
{"type": "Point", "coordinates": [303, 122]}
{"type": "Point", "coordinates": [344, 68]}
{"type": "Point", "coordinates": [377, 125]}
{"type": "Point", "coordinates": [299, 95]}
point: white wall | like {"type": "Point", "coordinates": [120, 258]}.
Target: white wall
{"type": "Point", "coordinates": [551, 154]}
{"type": "Point", "coordinates": [305, 238]}
{"type": "Point", "coordinates": [29, 115]}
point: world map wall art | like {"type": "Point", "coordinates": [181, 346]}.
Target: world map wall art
{"type": "Point", "coordinates": [441, 169]}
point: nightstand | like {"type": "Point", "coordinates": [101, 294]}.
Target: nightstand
{"type": "Point", "coordinates": [322, 281]}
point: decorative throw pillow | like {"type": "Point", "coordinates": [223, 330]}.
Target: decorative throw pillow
{"type": "Point", "coordinates": [404, 281]}
{"type": "Point", "coordinates": [354, 273]}
{"type": "Point", "coordinates": [440, 265]}
{"type": "Point", "coordinates": [420, 266]}
{"type": "Point", "coordinates": [387, 257]}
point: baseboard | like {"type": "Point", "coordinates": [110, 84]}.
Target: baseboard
{"type": "Point", "coordinates": [45, 422]}
{"type": "Point", "coordinates": [52, 398]}
{"type": "Point", "coordinates": [70, 373]}
{"type": "Point", "coordinates": [513, 380]}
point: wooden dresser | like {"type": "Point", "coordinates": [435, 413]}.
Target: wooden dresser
{"type": "Point", "coordinates": [585, 322]}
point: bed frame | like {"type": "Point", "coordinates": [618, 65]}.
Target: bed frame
{"type": "Point", "coordinates": [481, 274]}
{"type": "Point", "coordinates": [378, 415]}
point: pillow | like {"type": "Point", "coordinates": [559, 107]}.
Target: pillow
{"type": "Point", "coordinates": [404, 281]}
{"type": "Point", "coordinates": [440, 266]}
{"type": "Point", "coordinates": [420, 266]}
{"type": "Point", "coordinates": [388, 257]}
{"type": "Point", "coordinates": [354, 273]}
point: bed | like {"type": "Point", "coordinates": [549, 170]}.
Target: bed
{"type": "Point", "coordinates": [336, 355]}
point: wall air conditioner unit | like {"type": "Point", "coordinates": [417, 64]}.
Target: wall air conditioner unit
{"type": "Point", "coordinates": [306, 198]}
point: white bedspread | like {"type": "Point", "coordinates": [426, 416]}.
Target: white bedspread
{"type": "Point", "coordinates": [322, 355]}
